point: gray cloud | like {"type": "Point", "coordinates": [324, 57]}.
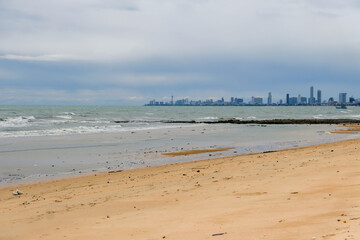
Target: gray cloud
{"type": "Point", "coordinates": [51, 96]}
{"type": "Point", "coordinates": [106, 30]}
{"type": "Point", "coordinates": [42, 58]}
{"type": "Point", "coordinates": [152, 48]}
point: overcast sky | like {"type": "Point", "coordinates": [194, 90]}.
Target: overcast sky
{"type": "Point", "coordinates": [127, 52]}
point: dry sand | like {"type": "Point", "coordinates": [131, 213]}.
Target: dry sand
{"type": "Point", "coordinates": [304, 193]}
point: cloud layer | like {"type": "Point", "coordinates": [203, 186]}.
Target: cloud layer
{"type": "Point", "coordinates": [176, 46]}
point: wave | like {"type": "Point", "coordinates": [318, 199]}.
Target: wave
{"type": "Point", "coordinates": [13, 122]}
{"type": "Point", "coordinates": [69, 113]}
{"type": "Point", "coordinates": [86, 130]}
{"type": "Point", "coordinates": [320, 116]}
{"type": "Point", "coordinates": [209, 118]}
{"type": "Point", "coordinates": [64, 117]}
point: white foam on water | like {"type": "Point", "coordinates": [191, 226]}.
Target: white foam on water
{"type": "Point", "coordinates": [64, 117]}
{"type": "Point", "coordinates": [69, 113]}
{"type": "Point", "coordinates": [87, 130]}
{"type": "Point", "coordinates": [14, 122]}
{"type": "Point", "coordinates": [209, 118]}
{"type": "Point", "coordinates": [320, 116]}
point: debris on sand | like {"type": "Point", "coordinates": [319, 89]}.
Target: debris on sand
{"type": "Point", "coordinates": [218, 234]}
{"type": "Point", "coordinates": [17, 192]}
{"type": "Point", "coordinates": [115, 171]}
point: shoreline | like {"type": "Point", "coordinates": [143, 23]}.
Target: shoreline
{"type": "Point", "coordinates": [187, 156]}
{"type": "Point", "coordinates": [298, 193]}
{"type": "Point", "coordinates": [27, 159]}
{"type": "Point", "coordinates": [199, 154]}
{"type": "Point", "coordinates": [191, 153]}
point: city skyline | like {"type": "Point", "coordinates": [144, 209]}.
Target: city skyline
{"type": "Point", "coordinates": [255, 100]}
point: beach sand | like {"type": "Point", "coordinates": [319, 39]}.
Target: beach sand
{"type": "Point", "coordinates": [304, 193]}
{"type": "Point", "coordinates": [348, 129]}
{"type": "Point", "coordinates": [197, 151]}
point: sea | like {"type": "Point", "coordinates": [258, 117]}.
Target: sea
{"type": "Point", "coordinates": [45, 142]}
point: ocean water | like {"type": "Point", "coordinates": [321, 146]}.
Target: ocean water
{"type": "Point", "coordinates": [46, 142]}
{"type": "Point", "coordinates": [19, 121]}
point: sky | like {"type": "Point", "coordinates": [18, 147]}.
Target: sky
{"type": "Point", "coordinates": [127, 52]}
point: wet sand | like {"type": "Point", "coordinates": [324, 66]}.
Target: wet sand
{"type": "Point", "coordinates": [348, 129]}
{"type": "Point", "coordinates": [304, 193]}
{"type": "Point", "coordinates": [24, 159]}
{"type": "Point", "coordinates": [197, 151]}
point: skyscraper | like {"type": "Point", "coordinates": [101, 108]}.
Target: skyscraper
{"type": "Point", "coordinates": [319, 96]}
{"type": "Point", "coordinates": [287, 99]}
{"type": "Point", "coordinates": [269, 101]}
{"type": "Point", "coordinates": [342, 98]}
{"type": "Point", "coordinates": [311, 99]}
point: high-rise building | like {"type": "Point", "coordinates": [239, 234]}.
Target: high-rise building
{"type": "Point", "coordinates": [172, 100]}
{"type": "Point", "coordinates": [293, 101]}
{"type": "Point", "coordinates": [342, 98]}
{"type": "Point", "coordinates": [269, 101]}
{"type": "Point", "coordinates": [299, 99]}
{"type": "Point", "coordinates": [303, 100]}
{"type": "Point", "coordinates": [318, 97]}
{"type": "Point", "coordinates": [311, 99]}
{"type": "Point", "coordinates": [287, 99]}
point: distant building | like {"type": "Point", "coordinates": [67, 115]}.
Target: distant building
{"type": "Point", "coordinates": [287, 99]}
{"type": "Point", "coordinates": [293, 101]}
{"type": "Point", "coordinates": [318, 100]}
{"type": "Point", "coordinates": [351, 100]}
{"type": "Point", "coordinates": [303, 100]}
{"type": "Point", "coordinates": [256, 101]}
{"type": "Point", "coordinates": [342, 98]}
{"type": "Point", "coordinates": [269, 101]}
{"type": "Point", "coordinates": [299, 99]}
{"type": "Point", "coordinates": [239, 100]}
{"type": "Point", "coordinates": [311, 99]}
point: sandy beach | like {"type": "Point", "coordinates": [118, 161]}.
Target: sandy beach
{"type": "Point", "coordinates": [303, 193]}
